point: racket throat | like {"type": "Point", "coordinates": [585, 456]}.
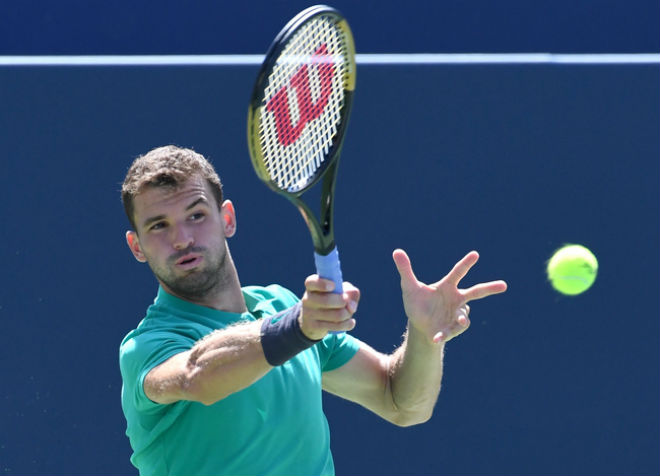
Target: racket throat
{"type": "Point", "coordinates": [321, 230]}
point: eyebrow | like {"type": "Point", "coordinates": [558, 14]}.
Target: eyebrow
{"type": "Point", "coordinates": [156, 218]}
{"type": "Point", "coordinates": [197, 202]}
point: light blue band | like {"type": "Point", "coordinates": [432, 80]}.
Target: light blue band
{"type": "Point", "coordinates": [328, 267]}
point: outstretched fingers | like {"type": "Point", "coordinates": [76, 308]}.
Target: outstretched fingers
{"type": "Point", "coordinates": [482, 290]}
{"type": "Point", "coordinates": [478, 291]}
{"type": "Point", "coordinates": [403, 265]}
{"type": "Point", "coordinates": [461, 269]}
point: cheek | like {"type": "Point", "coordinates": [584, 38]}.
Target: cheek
{"type": "Point", "coordinates": [154, 247]}
{"type": "Point", "coordinates": [212, 230]}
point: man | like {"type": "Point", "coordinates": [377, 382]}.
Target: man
{"type": "Point", "coordinates": [224, 379]}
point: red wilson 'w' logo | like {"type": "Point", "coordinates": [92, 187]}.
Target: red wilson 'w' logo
{"type": "Point", "coordinates": [287, 132]}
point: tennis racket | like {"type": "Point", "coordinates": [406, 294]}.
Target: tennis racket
{"type": "Point", "coordinates": [298, 116]}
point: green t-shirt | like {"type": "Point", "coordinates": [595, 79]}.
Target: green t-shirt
{"type": "Point", "coordinates": [274, 427]}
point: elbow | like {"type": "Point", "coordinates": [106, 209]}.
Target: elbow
{"type": "Point", "coordinates": [200, 396]}
{"type": "Point", "coordinates": [195, 388]}
{"type": "Point", "coordinates": [198, 392]}
{"type": "Point", "coordinates": [200, 382]}
{"type": "Point", "coordinates": [208, 401]}
{"type": "Point", "coordinates": [195, 391]}
{"type": "Point", "coordinates": [420, 418]}
{"type": "Point", "coordinates": [407, 419]}
{"type": "Point", "coordinates": [411, 413]}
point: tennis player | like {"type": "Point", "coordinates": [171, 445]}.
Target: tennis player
{"type": "Point", "coordinates": [224, 379]}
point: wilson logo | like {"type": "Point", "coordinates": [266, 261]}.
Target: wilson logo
{"type": "Point", "coordinates": [308, 109]}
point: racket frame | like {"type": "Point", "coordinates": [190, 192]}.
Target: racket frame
{"type": "Point", "coordinates": [321, 229]}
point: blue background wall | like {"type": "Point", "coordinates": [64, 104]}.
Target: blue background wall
{"type": "Point", "coordinates": [511, 160]}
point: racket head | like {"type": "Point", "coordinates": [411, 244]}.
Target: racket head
{"type": "Point", "coordinates": [301, 101]}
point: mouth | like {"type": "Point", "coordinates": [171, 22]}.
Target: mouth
{"type": "Point", "coordinates": [188, 261]}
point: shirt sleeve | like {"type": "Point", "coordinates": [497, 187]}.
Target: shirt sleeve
{"type": "Point", "coordinates": [337, 349]}
{"type": "Point", "coordinates": [140, 354]}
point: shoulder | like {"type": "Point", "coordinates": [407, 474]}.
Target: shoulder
{"type": "Point", "coordinates": [149, 345]}
{"type": "Point", "coordinates": [280, 296]}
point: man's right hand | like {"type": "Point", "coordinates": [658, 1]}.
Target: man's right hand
{"type": "Point", "coordinates": [324, 311]}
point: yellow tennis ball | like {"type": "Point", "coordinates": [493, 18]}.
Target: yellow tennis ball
{"type": "Point", "coordinates": [572, 269]}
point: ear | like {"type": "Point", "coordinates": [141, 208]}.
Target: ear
{"type": "Point", "coordinates": [134, 245]}
{"type": "Point", "coordinates": [228, 216]}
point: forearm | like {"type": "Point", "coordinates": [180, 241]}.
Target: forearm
{"type": "Point", "coordinates": [225, 362]}
{"type": "Point", "coordinates": [415, 377]}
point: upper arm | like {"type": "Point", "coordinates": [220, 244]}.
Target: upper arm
{"type": "Point", "coordinates": [364, 380]}
{"type": "Point", "coordinates": [166, 383]}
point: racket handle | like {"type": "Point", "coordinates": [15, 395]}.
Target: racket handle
{"type": "Point", "coordinates": [328, 267]}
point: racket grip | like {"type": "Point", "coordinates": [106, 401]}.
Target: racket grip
{"type": "Point", "coordinates": [328, 267]}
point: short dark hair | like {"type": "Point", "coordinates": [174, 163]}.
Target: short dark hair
{"type": "Point", "coordinates": [167, 166]}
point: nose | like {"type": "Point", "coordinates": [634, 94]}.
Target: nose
{"type": "Point", "coordinates": [182, 238]}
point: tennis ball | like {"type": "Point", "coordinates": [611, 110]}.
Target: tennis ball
{"type": "Point", "coordinates": [572, 269]}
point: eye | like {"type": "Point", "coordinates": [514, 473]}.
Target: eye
{"type": "Point", "coordinates": [157, 226]}
{"type": "Point", "coordinates": [197, 216]}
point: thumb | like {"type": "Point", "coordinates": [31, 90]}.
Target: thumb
{"type": "Point", "coordinates": [404, 267]}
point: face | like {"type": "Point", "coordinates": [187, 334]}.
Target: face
{"type": "Point", "coordinates": [182, 234]}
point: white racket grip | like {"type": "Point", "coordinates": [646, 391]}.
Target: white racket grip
{"type": "Point", "coordinates": [328, 267]}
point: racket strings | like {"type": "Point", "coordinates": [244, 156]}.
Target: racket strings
{"type": "Point", "coordinates": [303, 104]}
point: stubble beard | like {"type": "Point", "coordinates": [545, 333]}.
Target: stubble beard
{"type": "Point", "coordinates": [196, 284]}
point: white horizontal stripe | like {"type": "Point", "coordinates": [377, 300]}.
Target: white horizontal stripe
{"type": "Point", "coordinates": [131, 60]}
{"type": "Point", "coordinates": [362, 58]}
{"type": "Point", "coordinates": [509, 58]}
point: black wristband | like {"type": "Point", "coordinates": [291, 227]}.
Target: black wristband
{"type": "Point", "coordinates": [281, 336]}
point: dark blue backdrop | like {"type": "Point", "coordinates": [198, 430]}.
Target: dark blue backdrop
{"type": "Point", "coordinates": [380, 26]}
{"type": "Point", "coordinates": [510, 160]}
